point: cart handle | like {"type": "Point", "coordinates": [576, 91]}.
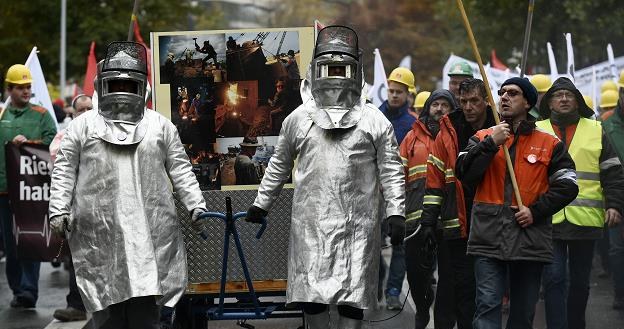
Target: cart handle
{"type": "Point", "coordinates": [209, 214]}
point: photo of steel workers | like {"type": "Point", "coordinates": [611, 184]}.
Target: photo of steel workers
{"type": "Point", "coordinates": [230, 86]}
{"type": "Point", "coordinates": [244, 160]}
{"type": "Point", "coordinates": [270, 60]}
{"type": "Point", "coordinates": [193, 112]}
{"type": "Point", "coordinates": [190, 56]}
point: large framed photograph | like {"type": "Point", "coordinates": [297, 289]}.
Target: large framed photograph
{"type": "Point", "coordinates": [228, 92]}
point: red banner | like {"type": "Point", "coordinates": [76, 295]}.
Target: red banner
{"type": "Point", "coordinates": [28, 178]}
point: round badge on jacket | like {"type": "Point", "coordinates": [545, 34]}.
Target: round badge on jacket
{"type": "Point", "coordinates": [532, 158]}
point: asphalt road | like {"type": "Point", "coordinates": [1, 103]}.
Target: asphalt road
{"type": "Point", "coordinates": [53, 288]}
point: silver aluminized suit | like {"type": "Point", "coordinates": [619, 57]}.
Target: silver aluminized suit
{"type": "Point", "coordinates": [334, 237]}
{"type": "Point", "coordinates": [125, 238]}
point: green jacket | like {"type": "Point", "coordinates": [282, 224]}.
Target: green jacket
{"type": "Point", "coordinates": [614, 129]}
{"type": "Point", "coordinates": [32, 121]}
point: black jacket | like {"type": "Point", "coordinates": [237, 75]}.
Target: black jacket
{"type": "Point", "coordinates": [494, 231]}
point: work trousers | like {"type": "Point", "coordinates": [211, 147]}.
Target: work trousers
{"type": "Point", "coordinates": [524, 281]}
{"type": "Point", "coordinates": [419, 280]}
{"type": "Point", "coordinates": [455, 295]}
{"type": "Point", "coordinates": [22, 275]}
{"type": "Point", "coordinates": [566, 283]}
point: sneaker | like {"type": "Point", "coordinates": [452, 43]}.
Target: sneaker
{"type": "Point", "coordinates": [393, 303]}
{"type": "Point", "coordinates": [618, 303]}
{"type": "Point", "coordinates": [22, 302]}
{"type": "Point", "coordinates": [70, 314]}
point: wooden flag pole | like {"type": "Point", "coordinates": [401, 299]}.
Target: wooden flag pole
{"type": "Point", "coordinates": [527, 37]}
{"type": "Point", "coordinates": [135, 8]}
{"type": "Point", "coordinates": [475, 50]}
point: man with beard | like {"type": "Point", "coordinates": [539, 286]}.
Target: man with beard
{"type": "Point", "coordinates": [415, 150]}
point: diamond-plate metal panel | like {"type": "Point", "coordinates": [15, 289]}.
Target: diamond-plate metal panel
{"type": "Point", "coordinates": [266, 258]}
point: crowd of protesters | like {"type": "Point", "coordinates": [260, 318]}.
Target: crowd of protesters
{"type": "Point", "coordinates": [491, 237]}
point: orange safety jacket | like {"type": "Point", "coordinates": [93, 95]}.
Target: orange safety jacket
{"type": "Point", "coordinates": [530, 168]}
{"type": "Point", "coordinates": [444, 191]}
{"type": "Point", "coordinates": [547, 182]}
{"type": "Point", "coordinates": [414, 152]}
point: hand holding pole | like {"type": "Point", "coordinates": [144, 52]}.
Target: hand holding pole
{"type": "Point", "coordinates": [475, 50]}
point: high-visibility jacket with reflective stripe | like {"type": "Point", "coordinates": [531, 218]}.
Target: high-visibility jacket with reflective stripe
{"type": "Point", "coordinates": [585, 149]}
{"type": "Point", "coordinates": [441, 181]}
{"type": "Point", "coordinates": [613, 127]}
{"type": "Point", "coordinates": [414, 152]}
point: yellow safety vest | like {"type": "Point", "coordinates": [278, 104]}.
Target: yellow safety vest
{"type": "Point", "coordinates": [588, 207]}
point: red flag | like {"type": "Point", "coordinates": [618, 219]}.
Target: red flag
{"type": "Point", "coordinates": [318, 25]}
{"type": "Point", "coordinates": [139, 39]}
{"type": "Point", "coordinates": [497, 63]}
{"type": "Point", "coordinates": [87, 86]}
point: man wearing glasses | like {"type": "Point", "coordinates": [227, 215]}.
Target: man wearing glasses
{"type": "Point", "coordinates": [510, 241]}
{"type": "Point", "coordinates": [600, 200]}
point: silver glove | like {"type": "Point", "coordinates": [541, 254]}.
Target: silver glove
{"type": "Point", "coordinates": [59, 224]}
{"type": "Point", "coordinates": [197, 223]}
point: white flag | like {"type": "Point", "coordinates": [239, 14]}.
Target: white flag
{"type": "Point", "coordinates": [406, 62]}
{"type": "Point", "coordinates": [593, 87]}
{"type": "Point", "coordinates": [612, 62]}
{"type": "Point", "coordinates": [554, 74]}
{"type": "Point", "coordinates": [570, 71]}
{"type": "Point", "coordinates": [379, 92]}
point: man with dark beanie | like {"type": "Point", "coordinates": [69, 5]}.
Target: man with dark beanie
{"type": "Point", "coordinates": [511, 241]}
{"type": "Point", "coordinates": [600, 200]}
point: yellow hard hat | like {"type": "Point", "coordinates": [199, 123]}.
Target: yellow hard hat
{"type": "Point", "coordinates": [421, 98]}
{"type": "Point", "coordinates": [588, 101]}
{"type": "Point", "coordinates": [608, 85]}
{"type": "Point", "coordinates": [621, 81]}
{"type": "Point", "coordinates": [412, 91]}
{"type": "Point", "coordinates": [541, 82]}
{"type": "Point", "coordinates": [18, 74]}
{"type": "Point", "coordinates": [609, 98]}
{"type": "Point", "coordinates": [403, 76]}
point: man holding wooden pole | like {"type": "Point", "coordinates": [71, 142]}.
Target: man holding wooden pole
{"type": "Point", "coordinates": [511, 240]}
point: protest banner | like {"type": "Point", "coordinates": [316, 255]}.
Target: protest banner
{"type": "Point", "coordinates": [28, 179]}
